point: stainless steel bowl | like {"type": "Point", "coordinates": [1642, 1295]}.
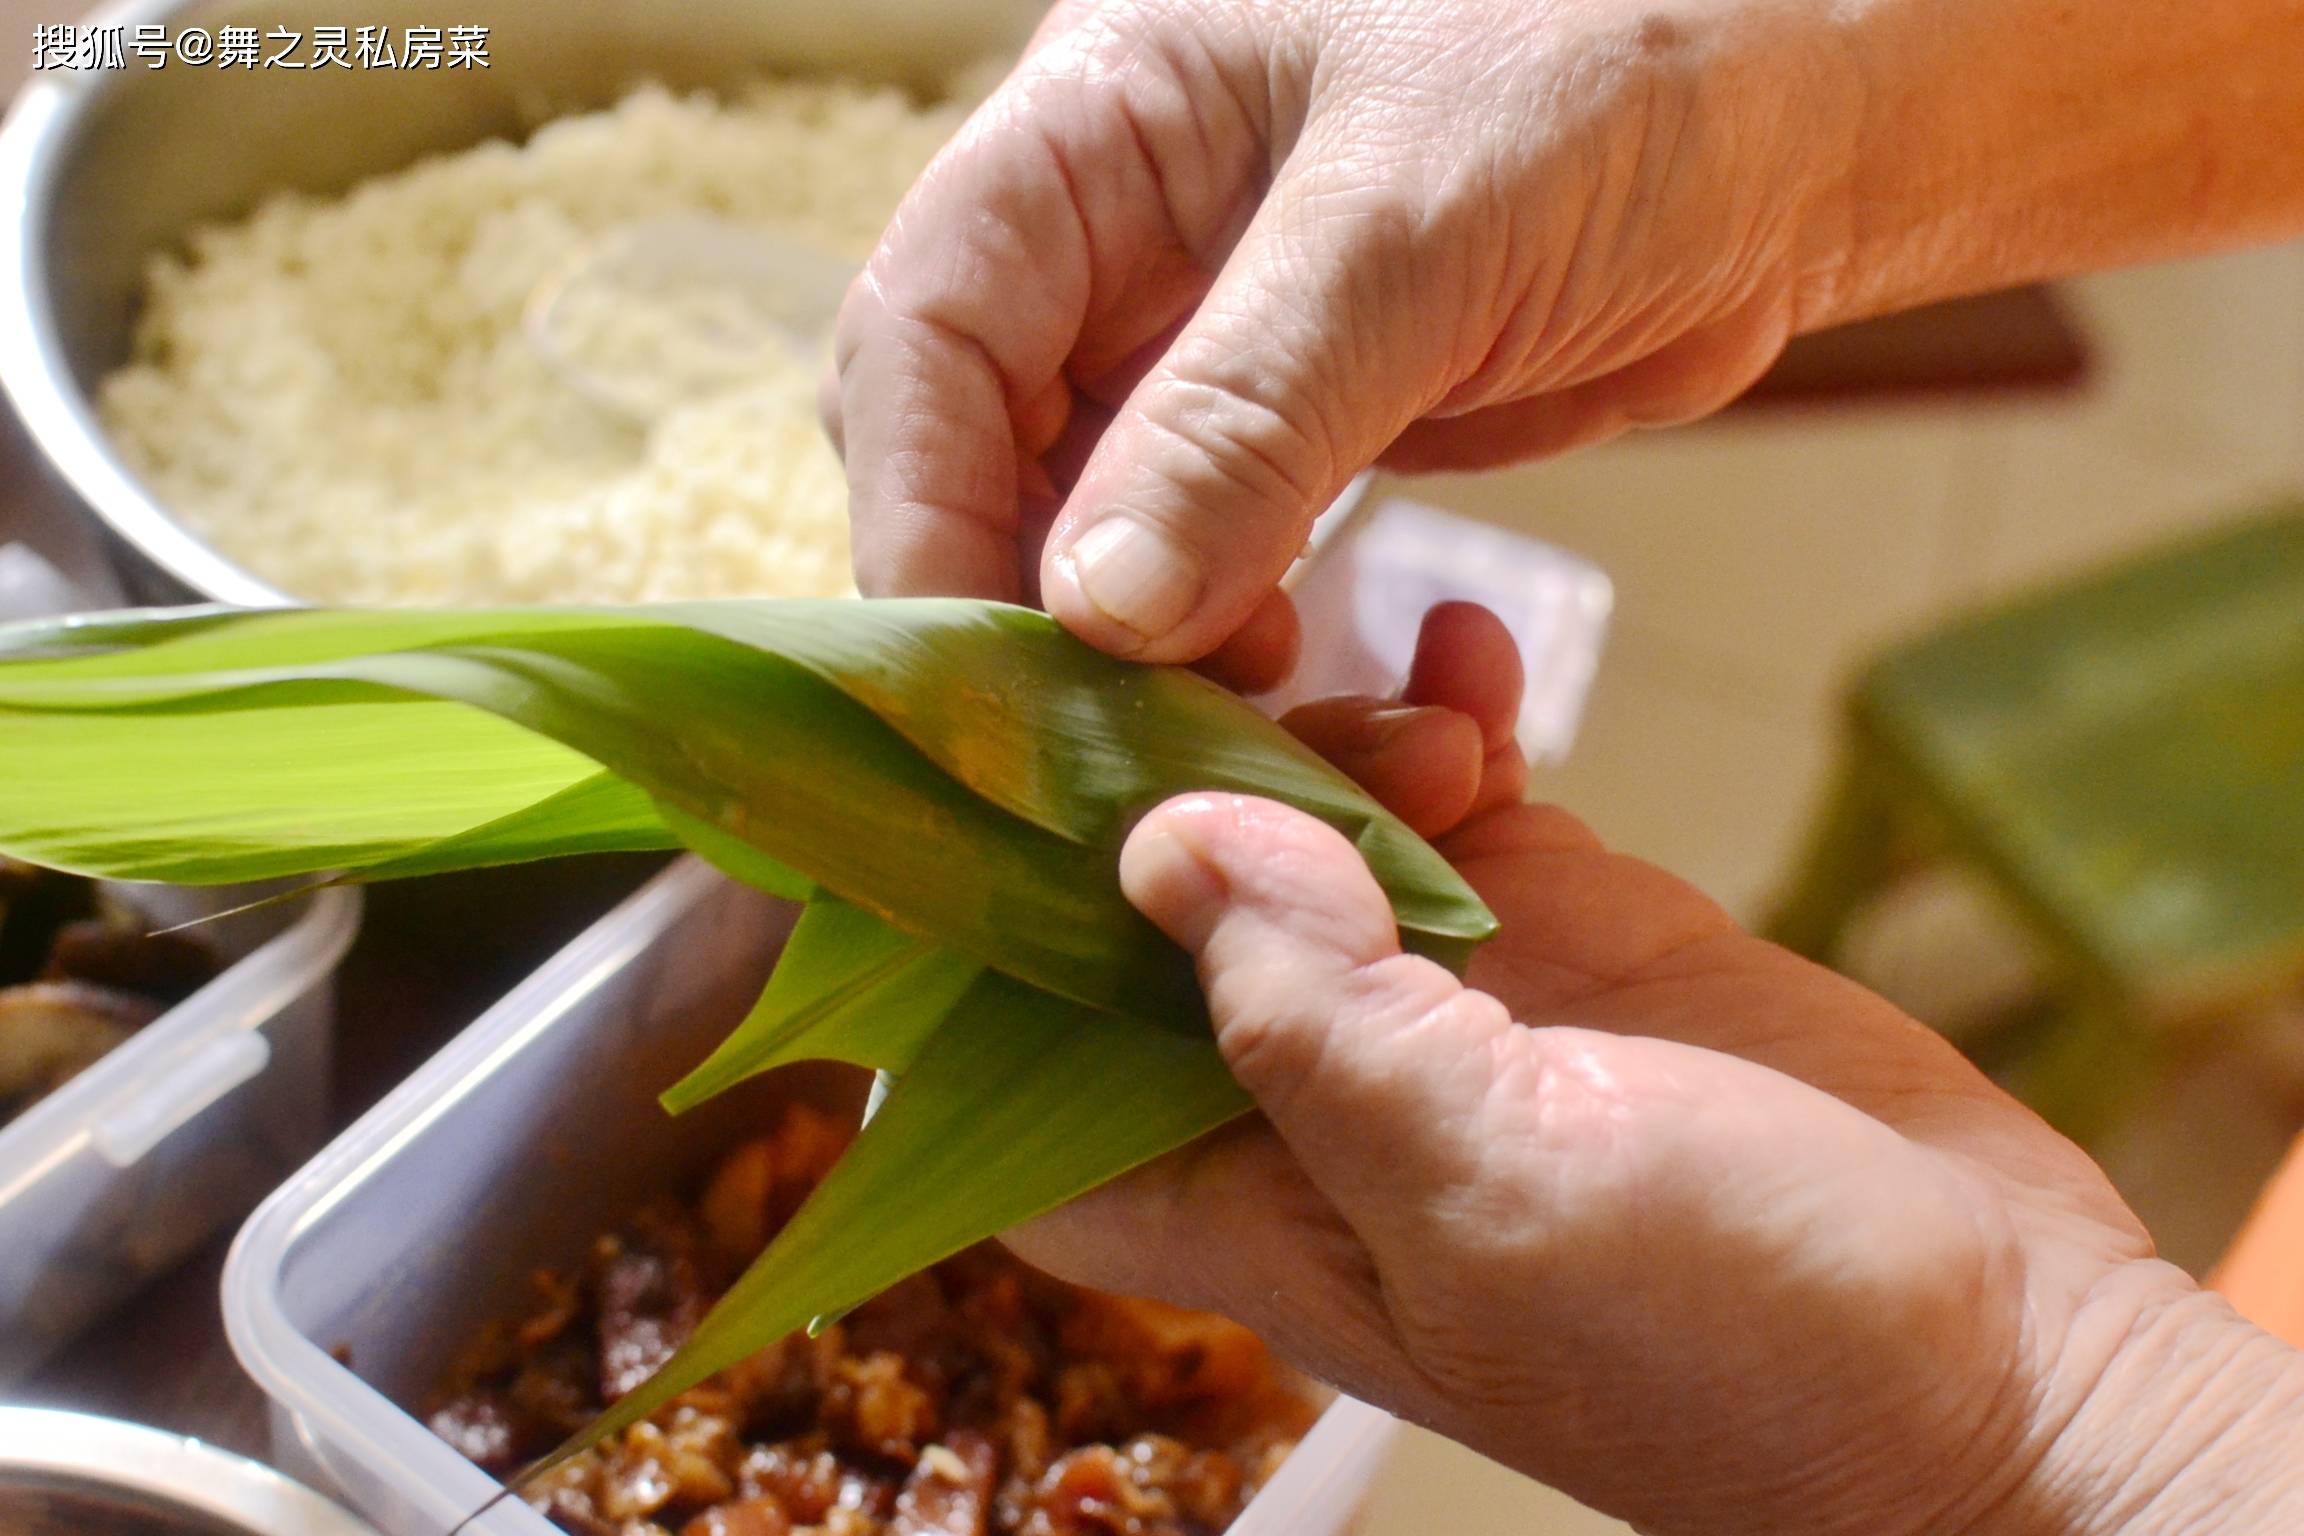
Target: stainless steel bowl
{"type": "Point", "coordinates": [101, 170]}
{"type": "Point", "coordinates": [71, 1474]}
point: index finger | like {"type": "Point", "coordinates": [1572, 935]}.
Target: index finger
{"type": "Point", "coordinates": [1069, 224]}
{"type": "Point", "coordinates": [930, 387]}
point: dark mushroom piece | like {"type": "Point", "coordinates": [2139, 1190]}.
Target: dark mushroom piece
{"type": "Point", "coordinates": [34, 904]}
{"type": "Point", "coordinates": [117, 949]}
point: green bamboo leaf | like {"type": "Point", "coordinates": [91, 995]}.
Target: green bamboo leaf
{"type": "Point", "coordinates": [1072, 739]}
{"type": "Point", "coordinates": [848, 987]}
{"type": "Point", "coordinates": [76, 634]}
{"type": "Point", "coordinates": [206, 799]}
{"type": "Point", "coordinates": [598, 814]}
{"type": "Point", "coordinates": [1021, 1102]}
{"type": "Point", "coordinates": [159, 643]}
{"type": "Point", "coordinates": [735, 858]}
{"type": "Point", "coordinates": [761, 750]}
{"type": "Point", "coordinates": [1001, 698]}
{"type": "Point", "coordinates": [768, 752]}
{"type": "Point", "coordinates": [958, 775]}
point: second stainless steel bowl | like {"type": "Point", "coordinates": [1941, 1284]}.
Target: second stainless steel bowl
{"type": "Point", "coordinates": [71, 1474]}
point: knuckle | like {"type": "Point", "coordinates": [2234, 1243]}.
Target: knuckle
{"type": "Point", "coordinates": [1232, 445]}
{"type": "Point", "coordinates": [1341, 1040]}
{"type": "Point", "coordinates": [1273, 1043]}
{"type": "Point", "coordinates": [1423, 998]}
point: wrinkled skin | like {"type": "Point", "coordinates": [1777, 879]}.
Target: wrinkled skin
{"type": "Point", "coordinates": [1197, 262]}
{"type": "Point", "coordinates": [1684, 1225]}
{"type": "Point", "coordinates": [1696, 1231]}
{"type": "Point", "coordinates": [1536, 225]}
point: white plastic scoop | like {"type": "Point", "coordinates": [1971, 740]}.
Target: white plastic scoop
{"type": "Point", "coordinates": [664, 311]}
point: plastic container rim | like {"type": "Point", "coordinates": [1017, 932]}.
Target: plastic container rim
{"type": "Point", "coordinates": [322, 1395]}
{"type": "Point", "coordinates": [243, 998]}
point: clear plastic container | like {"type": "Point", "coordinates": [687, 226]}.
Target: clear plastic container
{"type": "Point", "coordinates": [351, 1291]}
{"type": "Point", "coordinates": [120, 1174]}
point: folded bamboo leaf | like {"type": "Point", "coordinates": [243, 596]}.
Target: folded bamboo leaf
{"type": "Point", "coordinates": [761, 750]}
{"type": "Point", "coordinates": [1022, 713]}
{"type": "Point", "coordinates": [771, 755]}
{"type": "Point", "coordinates": [947, 783]}
{"type": "Point", "coordinates": [155, 643]}
{"type": "Point", "coordinates": [985, 1131]}
{"type": "Point", "coordinates": [79, 634]}
{"type": "Point", "coordinates": [1070, 738]}
{"type": "Point", "coordinates": [848, 987]}
{"type": "Point", "coordinates": [735, 858]}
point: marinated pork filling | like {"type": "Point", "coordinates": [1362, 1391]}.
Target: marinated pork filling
{"type": "Point", "coordinates": [981, 1398]}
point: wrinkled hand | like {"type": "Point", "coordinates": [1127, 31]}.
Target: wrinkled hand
{"type": "Point", "coordinates": [1677, 1222]}
{"type": "Point", "coordinates": [1282, 240]}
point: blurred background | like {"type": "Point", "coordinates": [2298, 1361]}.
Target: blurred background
{"type": "Point", "coordinates": [1760, 560]}
{"type": "Point", "coordinates": [1891, 484]}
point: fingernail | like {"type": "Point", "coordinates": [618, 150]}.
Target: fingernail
{"type": "Point", "coordinates": [1165, 871]}
{"type": "Point", "coordinates": [1136, 575]}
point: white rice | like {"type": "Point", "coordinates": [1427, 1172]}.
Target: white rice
{"type": "Point", "coordinates": [338, 394]}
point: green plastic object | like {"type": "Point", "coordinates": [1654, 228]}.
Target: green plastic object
{"type": "Point", "coordinates": [2123, 757]}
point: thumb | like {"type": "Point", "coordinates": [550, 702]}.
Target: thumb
{"type": "Point", "coordinates": [1459, 1143]}
{"type": "Point", "coordinates": [1368, 1062]}
{"type": "Point", "coordinates": [1280, 388]}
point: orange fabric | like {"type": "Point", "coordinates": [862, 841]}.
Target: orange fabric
{"type": "Point", "coordinates": [2263, 1272]}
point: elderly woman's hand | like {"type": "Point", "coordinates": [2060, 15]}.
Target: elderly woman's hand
{"type": "Point", "coordinates": [1676, 1221]}
{"type": "Point", "coordinates": [1653, 1210]}
{"type": "Point", "coordinates": [1197, 262]}
{"type": "Point", "coordinates": [1280, 240]}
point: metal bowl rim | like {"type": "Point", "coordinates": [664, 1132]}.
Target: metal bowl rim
{"type": "Point", "coordinates": [37, 134]}
{"type": "Point", "coordinates": [174, 1470]}
{"type": "Point", "coordinates": [35, 137]}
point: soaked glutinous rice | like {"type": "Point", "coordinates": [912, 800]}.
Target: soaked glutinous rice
{"type": "Point", "coordinates": [337, 392]}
